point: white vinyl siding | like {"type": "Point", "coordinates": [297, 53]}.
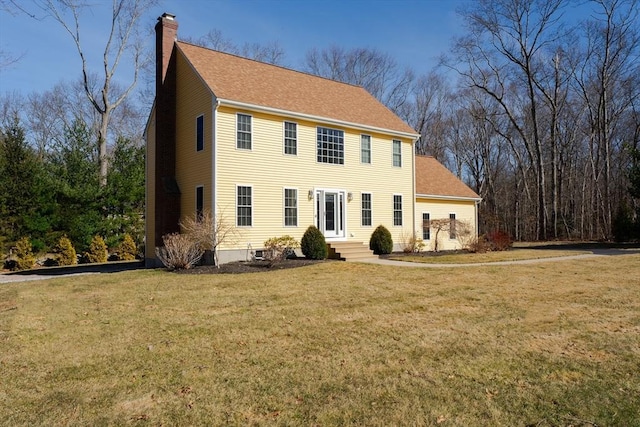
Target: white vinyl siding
{"type": "Point", "coordinates": [243, 127]}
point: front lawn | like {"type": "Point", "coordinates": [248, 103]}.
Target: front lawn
{"type": "Point", "coordinates": [328, 344]}
{"type": "Point", "coordinates": [476, 258]}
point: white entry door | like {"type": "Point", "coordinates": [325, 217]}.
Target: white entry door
{"type": "Point", "coordinates": [330, 213]}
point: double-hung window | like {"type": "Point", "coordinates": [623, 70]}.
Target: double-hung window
{"type": "Point", "coordinates": [200, 133]}
{"type": "Point", "coordinates": [243, 139]}
{"type": "Point", "coordinates": [397, 153]}
{"type": "Point", "coordinates": [330, 146]}
{"type": "Point", "coordinates": [199, 202]}
{"type": "Point", "coordinates": [426, 226]}
{"type": "Point", "coordinates": [366, 209]}
{"type": "Point", "coordinates": [452, 226]}
{"type": "Point", "coordinates": [244, 206]}
{"type": "Point", "coordinates": [397, 209]}
{"type": "Point", "coordinates": [290, 138]}
{"type": "Point", "coordinates": [290, 207]}
{"type": "Point", "coordinates": [365, 149]}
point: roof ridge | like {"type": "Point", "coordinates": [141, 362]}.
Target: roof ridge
{"type": "Point", "coordinates": [282, 67]}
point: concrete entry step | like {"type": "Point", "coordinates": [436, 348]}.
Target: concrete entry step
{"type": "Point", "coordinates": [349, 251]}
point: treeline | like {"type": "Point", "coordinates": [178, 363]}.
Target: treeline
{"type": "Point", "coordinates": [537, 111]}
{"type": "Point", "coordinates": [541, 118]}
{"type": "Point", "coordinates": [56, 192]}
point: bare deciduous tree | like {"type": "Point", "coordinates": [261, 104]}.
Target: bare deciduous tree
{"type": "Point", "coordinates": [123, 40]}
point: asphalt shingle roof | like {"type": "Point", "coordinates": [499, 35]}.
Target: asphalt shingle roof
{"type": "Point", "coordinates": [433, 179]}
{"type": "Point", "coordinates": [252, 82]}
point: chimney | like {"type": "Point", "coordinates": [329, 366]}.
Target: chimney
{"type": "Point", "coordinates": [167, 192]}
{"type": "Point", "coordinates": [166, 35]}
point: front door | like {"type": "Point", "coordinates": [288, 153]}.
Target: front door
{"type": "Point", "coordinates": [330, 213]}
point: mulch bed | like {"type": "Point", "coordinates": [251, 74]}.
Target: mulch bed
{"type": "Point", "coordinates": [240, 267]}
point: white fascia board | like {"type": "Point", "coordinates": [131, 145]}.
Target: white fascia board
{"type": "Point", "coordinates": [439, 197]}
{"type": "Point", "coordinates": [310, 117]}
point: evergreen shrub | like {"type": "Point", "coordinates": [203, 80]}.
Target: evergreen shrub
{"type": "Point", "coordinates": [97, 250]}
{"type": "Point", "coordinates": [313, 244]}
{"type": "Point", "coordinates": [128, 249]}
{"type": "Point", "coordinates": [65, 252]}
{"type": "Point", "coordinates": [24, 254]}
{"type": "Point", "coordinates": [381, 241]}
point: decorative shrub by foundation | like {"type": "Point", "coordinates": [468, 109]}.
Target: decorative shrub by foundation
{"type": "Point", "coordinates": [313, 244]}
{"type": "Point", "coordinates": [381, 241]}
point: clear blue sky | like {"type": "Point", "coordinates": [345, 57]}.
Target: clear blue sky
{"type": "Point", "coordinates": [414, 32]}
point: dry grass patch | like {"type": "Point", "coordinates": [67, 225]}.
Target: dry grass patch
{"type": "Point", "coordinates": [476, 258]}
{"type": "Point", "coordinates": [330, 344]}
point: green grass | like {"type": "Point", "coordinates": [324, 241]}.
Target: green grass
{"type": "Point", "coordinates": [476, 258]}
{"type": "Point", "coordinates": [330, 344]}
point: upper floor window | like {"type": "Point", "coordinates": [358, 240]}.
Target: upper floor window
{"type": "Point", "coordinates": [397, 209]}
{"type": "Point", "coordinates": [244, 206]}
{"type": "Point", "coordinates": [200, 133]}
{"type": "Point", "coordinates": [397, 153]}
{"type": "Point", "coordinates": [366, 209]}
{"type": "Point", "coordinates": [365, 149]}
{"type": "Point", "coordinates": [330, 146]}
{"type": "Point", "coordinates": [290, 138]}
{"type": "Point", "coordinates": [290, 207]}
{"type": "Point", "coordinates": [243, 139]}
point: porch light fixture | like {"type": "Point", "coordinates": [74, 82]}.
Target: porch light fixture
{"type": "Point", "coordinates": [310, 195]}
{"type": "Point", "coordinates": [349, 196]}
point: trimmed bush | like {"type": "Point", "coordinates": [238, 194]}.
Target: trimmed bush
{"type": "Point", "coordinates": [313, 244]}
{"type": "Point", "coordinates": [381, 241]}
{"type": "Point", "coordinates": [66, 254]}
{"type": "Point", "coordinates": [97, 250]}
{"type": "Point", "coordinates": [24, 257]}
{"type": "Point", "coordinates": [499, 240]}
{"type": "Point", "coordinates": [277, 248]}
{"type": "Point", "coordinates": [180, 251]}
{"type": "Point", "coordinates": [128, 249]}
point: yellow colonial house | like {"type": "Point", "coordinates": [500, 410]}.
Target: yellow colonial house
{"type": "Point", "coordinates": [272, 151]}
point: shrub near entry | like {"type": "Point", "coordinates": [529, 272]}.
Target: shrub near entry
{"type": "Point", "coordinates": [313, 244]}
{"type": "Point", "coordinates": [381, 241]}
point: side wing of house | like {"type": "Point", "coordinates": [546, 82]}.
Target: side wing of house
{"type": "Point", "coordinates": [446, 208]}
{"type": "Point", "coordinates": [445, 224]}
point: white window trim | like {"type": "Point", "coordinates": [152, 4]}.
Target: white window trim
{"type": "Point", "coordinates": [344, 148]}
{"type": "Point", "coordinates": [203, 133]}
{"type": "Point", "coordinates": [371, 208]}
{"type": "Point", "coordinates": [236, 206]}
{"type": "Point", "coordinates": [284, 207]}
{"type": "Point", "coordinates": [393, 143]}
{"type": "Point", "coordinates": [250, 133]}
{"type": "Point", "coordinates": [370, 149]}
{"type": "Point", "coordinates": [422, 225]}
{"type": "Point", "coordinates": [393, 212]}
{"type": "Point", "coordinates": [284, 138]}
{"type": "Point", "coordinates": [455, 219]}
